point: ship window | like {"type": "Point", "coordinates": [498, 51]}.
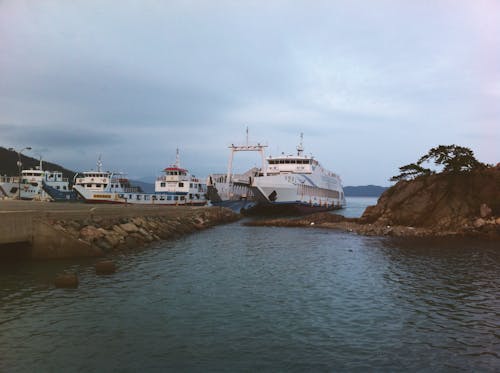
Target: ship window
{"type": "Point", "coordinates": [89, 185]}
{"type": "Point", "coordinates": [181, 185]}
{"type": "Point", "coordinates": [183, 198]}
{"type": "Point", "coordinates": [169, 198]}
{"type": "Point", "coordinates": [162, 198]}
{"type": "Point", "coordinates": [58, 187]}
{"type": "Point", "coordinates": [162, 185]}
{"type": "Point", "coordinates": [64, 187]}
{"type": "Point", "coordinates": [287, 161]}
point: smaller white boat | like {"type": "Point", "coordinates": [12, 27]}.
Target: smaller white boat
{"type": "Point", "coordinates": [33, 181]}
{"type": "Point", "coordinates": [175, 187]}
{"type": "Point", "coordinates": [9, 186]}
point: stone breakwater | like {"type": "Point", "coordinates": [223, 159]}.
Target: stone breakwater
{"type": "Point", "coordinates": [39, 230]}
{"type": "Point", "coordinates": [102, 235]}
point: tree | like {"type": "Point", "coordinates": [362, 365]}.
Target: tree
{"type": "Point", "coordinates": [411, 170]}
{"type": "Point", "coordinates": [453, 158]}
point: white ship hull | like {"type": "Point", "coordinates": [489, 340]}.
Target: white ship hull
{"type": "Point", "coordinates": [93, 196]}
{"type": "Point", "coordinates": [297, 193]}
{"type": "Point", "coordinates": [292, 184]}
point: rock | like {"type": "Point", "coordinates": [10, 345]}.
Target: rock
{"type": "Point", "coordinates": [129, 227]}
{"type": "Point", "coordinates": [66, 280]}
{"type": "Point", "coordinates": [103, 244]}
{"type": "Point", "coordinates": [90, 233]}
{"type": "Point", "coordinates": [478, 223]}
{"type": "Point", "coordinates": [139, 222]}
{"type": "Point", "coordinates": [113, 238]}
{"type": "Point", "coordinates": [485, 211]}
{"type": "Point", "coordinates": [118, 230]}
{"type": "Point", "coordinates": [105, 267]}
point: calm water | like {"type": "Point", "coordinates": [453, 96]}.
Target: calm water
{"type": "Point", "coordinates": [237, 298]}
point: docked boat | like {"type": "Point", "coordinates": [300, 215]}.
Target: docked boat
{"type": "Point", "coordinates": [235, 190]}
{"type": "Point", "coordinates": [34, 180]}
{"type": "Point", "coordinates": [295, 184]}
{"type": "Point", "coordinates": [176, 186]}
{"type": "Point", "coordinates": [9, 186]}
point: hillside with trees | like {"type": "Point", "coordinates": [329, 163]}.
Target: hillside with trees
{"type": "Point", "coordinates": [8, 164]}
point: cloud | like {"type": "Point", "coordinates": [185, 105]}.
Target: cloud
{"type": "Point", "coordinates": [369, 84]}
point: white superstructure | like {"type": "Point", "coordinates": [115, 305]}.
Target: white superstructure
{"type": "Point", "coordinates": [175, 187]}
{"type": "Point", "coordinates": [297, 183]}
{"type": "Point", "coordinates": [33, 179]}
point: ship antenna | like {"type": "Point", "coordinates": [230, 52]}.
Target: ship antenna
{"type": "Point", "coordinates": [99, 163]}
{"type": "Point", "coordinates": [247, 136]}
{"type": "Point", "coordinates": [300, 147]}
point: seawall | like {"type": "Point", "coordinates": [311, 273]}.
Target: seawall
{"type": "Point", "coordinates": [53, 230]}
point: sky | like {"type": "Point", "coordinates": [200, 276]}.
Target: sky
{"type": "Point", "coordinates": [372, 85]}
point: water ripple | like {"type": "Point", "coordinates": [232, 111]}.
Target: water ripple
{"type": "Point", "coordinates": [241, 298]}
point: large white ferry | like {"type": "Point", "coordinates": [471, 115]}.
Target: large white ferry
{"type": "Point", "coordinates": [291, 184]}
{"type": "Point", "coordinates": [175, 187]}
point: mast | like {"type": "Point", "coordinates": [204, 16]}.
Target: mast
{"type": "Point", "coordinates": [177, 159]}
{"type": "Point", "coordinates": [99, 164]}
{"type": "Point", "coordinates": [246, 148]}
{"type": "Point", "coordinates": [300, 147]}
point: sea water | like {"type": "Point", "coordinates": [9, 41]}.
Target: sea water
{"type": "Point", "coordinates": [236, 298]}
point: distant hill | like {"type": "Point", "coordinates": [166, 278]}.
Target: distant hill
{"type": "Point", "coordinates": [8, 164]}
{"type": "Point", "coordinates": [364, 191]}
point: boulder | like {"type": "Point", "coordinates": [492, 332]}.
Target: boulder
{"type": "Point", "coordinates": [485, 211]}
{"type": "Point", "coordinates": [66, 280]}
{"type": "Point", "coordinates": [129, 227]}
{"type": "Point", "coordinates": [105, 267]}
{"type": "Point", "coordinates": [478, 223]}
{"type": "Point", "coordinates": [90, 233]}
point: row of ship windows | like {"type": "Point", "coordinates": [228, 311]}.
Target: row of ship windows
{"type": "Point", "coordinates": [290, 161]}
{"type": "Point", "coordinates": [138, 197]}
{"type": "Point", "coordinates": [319, 192]}
{"type": "Point", "coordinates": [181, 185]}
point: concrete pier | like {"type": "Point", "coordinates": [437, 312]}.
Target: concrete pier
{"type": "Point", "coordinates": [41, 225]}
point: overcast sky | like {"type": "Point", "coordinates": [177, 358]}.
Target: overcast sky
{"type": "Point", "coordinates": [371, 84]}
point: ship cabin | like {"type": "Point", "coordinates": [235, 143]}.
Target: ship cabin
{"type": "Point", "coordinates": [290, 164]}
{"type": "Point", "coordinates": [178, 180]}
{"type": "Point", "coordinates": [34, 177]}
{"type": "Point", "coordinates": [94, 180]}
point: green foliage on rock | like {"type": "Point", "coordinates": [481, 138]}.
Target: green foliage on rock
{"type": "Point", "coordinates": [454, 159]}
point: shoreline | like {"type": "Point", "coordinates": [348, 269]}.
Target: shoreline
{"type": "Point", "coordinates": [489, 229]}
{"type": "Point", "coordinates": [66, 230]}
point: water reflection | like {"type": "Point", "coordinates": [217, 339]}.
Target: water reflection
{"type": "Point", "coordinates": [247, 298]}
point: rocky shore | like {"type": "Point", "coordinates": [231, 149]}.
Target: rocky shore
{"type": "Point", "coordinates": [98, 236]}
{"type": "Point", "coordinates": [437, 205]}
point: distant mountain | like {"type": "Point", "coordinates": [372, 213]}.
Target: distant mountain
{"type": "Point", "coordinates": [364, 191]}
{"type": "Point", "coordinates": [8, 164]}
{"type": "Point", "coordinates": [146, 187]}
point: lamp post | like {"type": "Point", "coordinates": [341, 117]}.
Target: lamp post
{"type": "Point", "coordinates": [19, 167]}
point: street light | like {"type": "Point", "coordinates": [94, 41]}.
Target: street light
{"type": "Point", "coordinates": [19, 167]}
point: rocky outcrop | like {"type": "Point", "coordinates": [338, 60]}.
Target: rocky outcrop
{"type": "Point", "coordinates": [97, 236]}
{"type": "Point", "coordinates": [436, 205]}
{"type": "Point", "coordinates": [467, 203]}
